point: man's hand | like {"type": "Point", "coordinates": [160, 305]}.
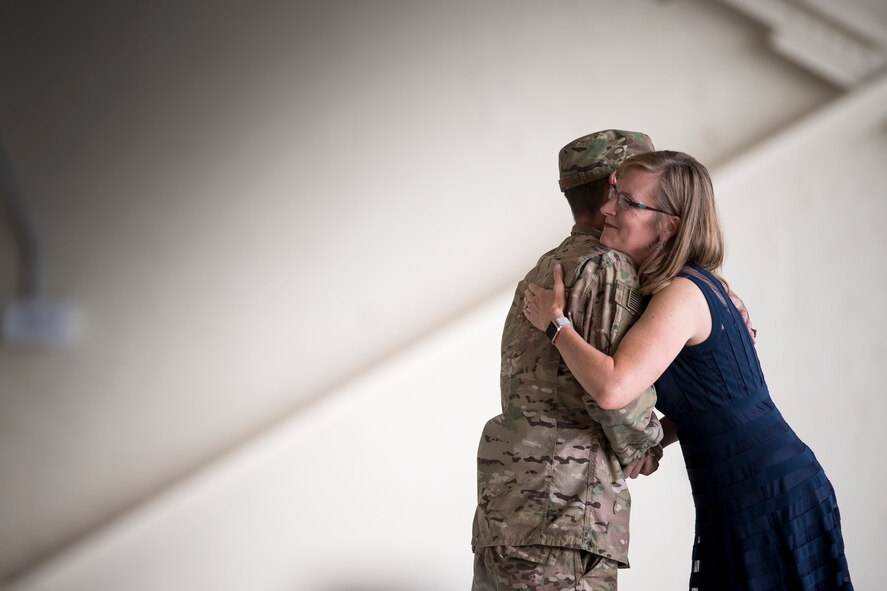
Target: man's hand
{"type": "Point", "coordinates": [645, 465]}
{"type": "Point", "coordinates": [743, 311]}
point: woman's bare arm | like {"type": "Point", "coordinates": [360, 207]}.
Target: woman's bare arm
{"type": "Point", "coordinates": [676, 316]}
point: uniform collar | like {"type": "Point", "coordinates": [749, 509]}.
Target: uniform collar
{"type": "Point", "coordinates": [583, 229]}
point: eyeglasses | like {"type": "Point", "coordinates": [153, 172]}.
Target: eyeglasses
{"type": "Point", "coordinates": [624, 201]}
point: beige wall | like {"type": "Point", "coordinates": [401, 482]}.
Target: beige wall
{"type": "Point", "coordinates": [252, 204]}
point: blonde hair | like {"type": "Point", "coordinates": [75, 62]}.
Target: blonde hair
{"type": "Point", "coordinates": [684, 188]}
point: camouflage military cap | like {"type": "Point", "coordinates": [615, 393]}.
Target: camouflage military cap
{"type": "Point", "coordinates": [596, 155]}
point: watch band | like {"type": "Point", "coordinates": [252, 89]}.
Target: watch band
{"type": "Point", "coordinates": [555, 326]}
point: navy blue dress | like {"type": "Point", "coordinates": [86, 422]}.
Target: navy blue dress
{"type": "Point", "coordinates": [766, 515]}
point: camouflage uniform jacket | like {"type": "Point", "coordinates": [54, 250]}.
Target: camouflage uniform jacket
{"type": "Point", "coordinates": [550, 466]}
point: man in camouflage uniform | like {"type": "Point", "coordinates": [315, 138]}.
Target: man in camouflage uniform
{"type": "Point", "coordinates": [553, 505]}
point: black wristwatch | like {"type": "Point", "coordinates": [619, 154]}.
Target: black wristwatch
{"type": "Point", "coordinates": [555, 327]}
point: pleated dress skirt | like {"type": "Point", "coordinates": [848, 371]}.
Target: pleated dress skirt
{"type": "Point", "coordinates": [766, 515]}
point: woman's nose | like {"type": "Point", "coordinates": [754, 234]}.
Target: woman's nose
{"type": "Point", "coordinates": [608, 207]}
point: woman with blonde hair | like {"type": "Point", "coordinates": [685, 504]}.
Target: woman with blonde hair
{"type": "Point", "coordinates": [766, 514]}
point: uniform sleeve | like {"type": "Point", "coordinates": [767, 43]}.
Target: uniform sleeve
{"type": "Point", "coordinates": [602, 305]}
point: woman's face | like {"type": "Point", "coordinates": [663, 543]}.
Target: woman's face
{"type": "Point", "coordinates": [629, 229]}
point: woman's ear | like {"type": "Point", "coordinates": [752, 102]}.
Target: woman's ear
{"type": "Point", "coordinates": [670, 227]}
{"type": "Point", "coordinates": [612, 179]}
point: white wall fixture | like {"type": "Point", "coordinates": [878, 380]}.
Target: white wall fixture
{"type": "Point", "coordinates": [836, 42]}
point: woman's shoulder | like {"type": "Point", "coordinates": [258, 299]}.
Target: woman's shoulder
{"type": "Point", "coordinates": [705, 280]}
{"type": "Point", "coordinates": [684, 301]}
{"type": "Point", "coordinates": [679, 294]}
{"type": "Point", "coordinates": [681, 287]}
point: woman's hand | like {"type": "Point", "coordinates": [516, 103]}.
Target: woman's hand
{"type": "Point", "coordinates": [541, 305]}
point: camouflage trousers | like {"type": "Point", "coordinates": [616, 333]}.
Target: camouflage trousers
{"type": "Point", "coordinates": [541, 568]}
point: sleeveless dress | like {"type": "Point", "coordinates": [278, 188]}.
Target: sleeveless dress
{"type": "Point", "coordinates": [766, 515]}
